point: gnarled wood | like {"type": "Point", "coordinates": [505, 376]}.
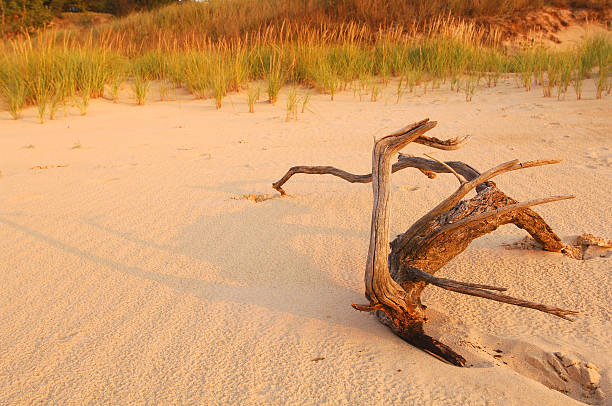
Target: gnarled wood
{"type": "Point", "coordinates": [394, 280]}
{"type": "Point", "coordinates": [451, 144]}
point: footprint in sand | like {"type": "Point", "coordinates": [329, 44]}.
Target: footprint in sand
{"type": "Point", "coordinates": [561, 371]}
{"type": "Point", "coordinates": [570, 368]}
{"type": "Point", "coordinates": [599, 157]}
{"type": "Point", "coordinates": [558, 369]}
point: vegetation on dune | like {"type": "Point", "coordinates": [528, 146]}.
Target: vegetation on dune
{"type": "Point", "coordinates": [253, 93]}
{"type": "Point", "coordinates": [141, 89]}
{"type": "Point", "coordinates": [55, 68]}
{"type": "Point", "coordinates": [214, 20]}
{"type": "Point", "coordinates": [217, 19]}
{"type": "Point", "coordinates": [23, 16]}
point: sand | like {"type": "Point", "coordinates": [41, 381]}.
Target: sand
{"type": "Point", "coordinates": [132, 272]}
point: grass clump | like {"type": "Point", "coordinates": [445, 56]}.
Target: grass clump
{"type": "Point", "coordinates": [469, 86]}
{"type": "Point", "coordinates": [140, 87]}
{"type": "Point", "coordinates": [325, 75]}
{"type": "Point", "coordinates": [566, 65]}
{"type": "Point", "coordinates": [39, 92]}
{"type": "Point", "coordinates": [13, 90]}
{"type": "Point", "coordinates": [194, 74]}
{"type": "Point", "coordinates": [115, 86]}
{"type": "Point", "coordinates": [117, 75]}
{"type": "Point", "coordinates": [218, 79]}
{"type": "Point", "coordinates": [275, 75]}
{"type": "Point", "coordinates": [292, 105]}
{"type": "Point", "coordinates": [165, 88]}
{"type": "Point", "coordinates": [294, 102]}
{"type": "Point", "coordinates": [375, 91]}
{"type": "Point", "coordinates": [601, 56]}
{"type": "Point", "coordinates": [253, 93]}
{"type": "Point", "coordinates": [81, 99]}
{"type": "Point", "coordinates": [304, 101]}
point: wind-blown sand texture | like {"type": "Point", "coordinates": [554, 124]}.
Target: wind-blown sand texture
{"type": "Point", "coordinates": [132, 272]}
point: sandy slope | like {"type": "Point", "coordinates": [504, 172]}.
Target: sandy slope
{"type": "Point", "coordinates": [132, 275]}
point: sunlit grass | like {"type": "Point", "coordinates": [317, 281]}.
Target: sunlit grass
{"type": "Point", "coordinates": [141, 88]}
{"type": "Point", "coordinates": [218, 78]}
{"type": "Point", "coordinates": [253, 93]}
{"type": "Point", "coordinates": [82, 98]}
{"type": "Point", "coordinates": [292, 105]}
{"type": "Point", "coordinates": [13, 90]}
{"type": "Point", "coordinates": [275, 74]}
{"type": "Point", "coordinates": [57, 68]}
{"type": "Point", "coordinates": [165, 88]}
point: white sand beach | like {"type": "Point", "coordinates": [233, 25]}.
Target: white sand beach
{"type": "Point", "coordinates": [132, 271]}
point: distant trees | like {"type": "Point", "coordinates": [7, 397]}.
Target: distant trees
{"type": "Point", "coordinates": [121, 7]}
{"type": "Point", "coordinates": [117, 7]}
{"type": "Point", "coordinates": [18, 16]}
{"type": "Point", "coordinates": [23, 15]}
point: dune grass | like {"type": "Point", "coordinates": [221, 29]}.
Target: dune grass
{"type": "Point", "coordinates": [165, 88]}
{"type": "Point", "coordinates": [51, 76]}
{"type": "Point", "coordinates": [193, 25]}
{"type": "Point", "coordinates": [13, 89]}
{"type": "Point", "coordinates": [292, 105]}
{"type": "Point", "coordinates": [141, 87]}
{"type": "Point", "coordinates": [253, 93]}
{"type": "Point", "coordinates": [59, 67]}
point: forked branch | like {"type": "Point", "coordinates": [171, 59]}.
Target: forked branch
{"type": "Point", "coordinates": [425, 222]}
{"type": "Point", "coordinates": [450, 144]}
{"type": "Point", "coordinates": [496, 213]}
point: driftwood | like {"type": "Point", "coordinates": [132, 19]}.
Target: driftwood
{"type": "Point", "coordinates": [397, 273]}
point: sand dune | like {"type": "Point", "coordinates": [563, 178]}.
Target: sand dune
{"type": "Point", "coordinates": [132, 272]}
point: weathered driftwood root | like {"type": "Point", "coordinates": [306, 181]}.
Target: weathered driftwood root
{"type": "Point", "coordinates": [395, 280]}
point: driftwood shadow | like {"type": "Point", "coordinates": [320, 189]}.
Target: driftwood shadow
{"type": "Point", "coordinates": [288, 282]}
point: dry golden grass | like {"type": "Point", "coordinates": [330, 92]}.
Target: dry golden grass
{"type": "Point", "coordinates": [329, 50]}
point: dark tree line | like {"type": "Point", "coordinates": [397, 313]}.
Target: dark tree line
{"type": "Point", "coordinates": [117, 7]}
{"type": "Point", "coordinates": [18, 16]}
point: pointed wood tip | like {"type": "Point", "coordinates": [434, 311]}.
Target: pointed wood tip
{"type": "Point", "coordinates": [411, 127]}
{"type": "Point", "coordinates": [279, 189]}
{"type": "Point", "coordinates": [368, 308]}
{"type": "Point", "coordinates": [565, 314]}
{"type": "Point", "coordinates": [540, 162]}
